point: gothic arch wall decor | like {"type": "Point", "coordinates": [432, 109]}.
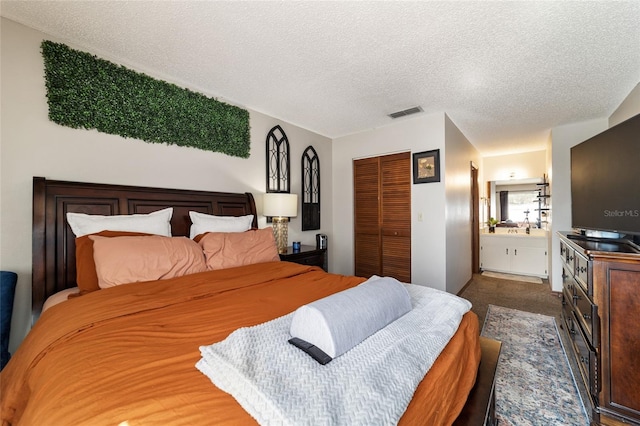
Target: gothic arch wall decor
{"type": "Point", "coordinates": [310, 189]}
{"type": "Point", "coordinates": [278, 164]}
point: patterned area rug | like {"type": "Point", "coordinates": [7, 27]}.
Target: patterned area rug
{"type": "Point", "coordinates": [534, 385]}
{"type": "Point", "coordinates": [523, 278]}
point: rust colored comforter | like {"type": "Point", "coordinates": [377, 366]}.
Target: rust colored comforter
{"type": "Point", "coordinates": [127, 355]}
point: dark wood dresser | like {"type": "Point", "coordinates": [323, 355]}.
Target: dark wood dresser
{"type": "Point", "coordinates": [601, 316]}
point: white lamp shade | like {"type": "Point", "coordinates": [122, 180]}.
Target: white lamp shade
{"type": "Point", "coordinates": [280, 205]}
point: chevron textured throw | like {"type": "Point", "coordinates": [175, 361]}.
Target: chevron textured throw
{"type": "Point", "coordinates": [372, 384]}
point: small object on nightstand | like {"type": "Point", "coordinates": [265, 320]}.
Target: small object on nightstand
{"type": "Point", "coordinates": [321, 241]}
{"type": "Point", "coordinates": [296, 246]}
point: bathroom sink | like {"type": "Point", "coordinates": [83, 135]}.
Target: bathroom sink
{"type": "Point", "coordinates": [533, 232]}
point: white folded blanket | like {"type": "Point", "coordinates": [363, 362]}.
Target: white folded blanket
{"type": "Point", "coordinates": [339, 322]}
{"type": "Point", "coordinates": [372, 384]}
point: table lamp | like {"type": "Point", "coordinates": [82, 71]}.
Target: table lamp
{"type": "Point", "coordinates": [280, 206]}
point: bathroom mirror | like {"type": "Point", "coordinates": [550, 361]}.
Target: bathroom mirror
{"type": "Point", "coordinates": [518, 202]}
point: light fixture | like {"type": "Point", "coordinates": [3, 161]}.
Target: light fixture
{"type": "Point", "coordinates": [280, 206]}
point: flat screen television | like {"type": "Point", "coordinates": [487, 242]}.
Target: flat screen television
{"type": "Point", "coordinates": [605, 182]}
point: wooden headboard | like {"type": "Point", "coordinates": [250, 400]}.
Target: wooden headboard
{"type": "Point", "coordinates": [54, 250]}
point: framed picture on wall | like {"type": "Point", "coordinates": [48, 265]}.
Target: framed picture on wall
{"type": "Point", "coordinates": [426, 166]}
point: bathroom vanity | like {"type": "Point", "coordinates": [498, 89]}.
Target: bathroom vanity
{"type": "Point", "coordinates": [513, 251]}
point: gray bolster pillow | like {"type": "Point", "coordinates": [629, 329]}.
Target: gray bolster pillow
{"type": "Point", "coordinates": [339, 322]}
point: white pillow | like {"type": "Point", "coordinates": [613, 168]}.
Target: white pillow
{"type": "Point", "coordinates": [158, 222]}
{"type": "Point", "coordinates": [202, 223]}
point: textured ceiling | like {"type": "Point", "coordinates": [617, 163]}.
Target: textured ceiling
{"type": "Point", "coordinates": [504, 72]}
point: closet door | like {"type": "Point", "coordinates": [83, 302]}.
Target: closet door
{"type": "Point", "coordinates": [382, 216]}
{"type": "Point", "coordinates": [396, 216]}
{"type": "Point", "coordinates": [366, 211]}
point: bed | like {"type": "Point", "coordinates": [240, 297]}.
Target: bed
{"type": "Point", "coordinates": [126, 355]}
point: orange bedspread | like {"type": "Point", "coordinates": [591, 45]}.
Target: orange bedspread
{"type": "Point", "coordinates": [127, 355]}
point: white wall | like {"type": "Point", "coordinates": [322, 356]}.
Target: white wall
{"type": "Point", "coordinates": [459, 153]}
{"type": "Point", "coordinates": [628, 108]}
{"type": "Point", "coordinates": [548, 159]}
{"type": "Point", "coordinates": [563, 138]}
{"type": "Point", "coordinates": [522, 166]}
{"type": "Point", "coordinates": [422, 132]}
{"type": "Point", "coordinates": [31, 145]}
{"type": "Point", "coordinates": [441, 241]}
{"type": "Point", "coordinates": [549, 170]}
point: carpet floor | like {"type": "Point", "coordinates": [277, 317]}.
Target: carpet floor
{"type": "Point", "coordinates": [534, 385]}
{"type": "Point", "coordinates": [483, 291]}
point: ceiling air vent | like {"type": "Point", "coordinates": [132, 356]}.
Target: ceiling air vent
{"type": "Point", "coordinates": [413, 110]}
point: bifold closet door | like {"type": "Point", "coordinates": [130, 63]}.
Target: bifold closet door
{"type": "Point", "coordinates": [382, 216]}
{"type": "Point", "coordinates": [366, 211]}
{"type": "Point", "coordinates": [395, 226]}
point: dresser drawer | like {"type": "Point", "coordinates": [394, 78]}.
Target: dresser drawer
{"type": "Point", "coordinates": [581, 272]}
{"type": "Point", "coordinates": [567, 313]}
{"type": "Point", "coordinates": [563, 250]}
{"type": "Point", "coordinates": [587, 314]}
{"type": "Point", "coordinates": [316, 260]}
{"type": "Point", "coordinates": [587, 362]}
{"type": "Point", "coordinates": [306, 255]}
{"type": "Point", "coordinates": [568, 282]}
{"type": "Point", "coordinates": [568, 255]}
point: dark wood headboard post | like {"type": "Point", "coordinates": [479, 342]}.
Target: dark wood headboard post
{"type": "Point", "coordinates": [53, 242]}
{"type": "Point", "coordinates": [38, 274]}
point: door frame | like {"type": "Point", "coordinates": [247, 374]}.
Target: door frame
{"type": "Point", "coordinates": [475, 219]}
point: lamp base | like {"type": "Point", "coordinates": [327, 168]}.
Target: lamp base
{"type": "Point", "coordinates": [281, 233]}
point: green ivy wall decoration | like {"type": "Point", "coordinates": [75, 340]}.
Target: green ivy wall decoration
{"type": "Point", "coordinates": [84, 91]}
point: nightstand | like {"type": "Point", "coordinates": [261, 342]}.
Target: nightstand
{"type": "Point", "coordinates": [307, 255]}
